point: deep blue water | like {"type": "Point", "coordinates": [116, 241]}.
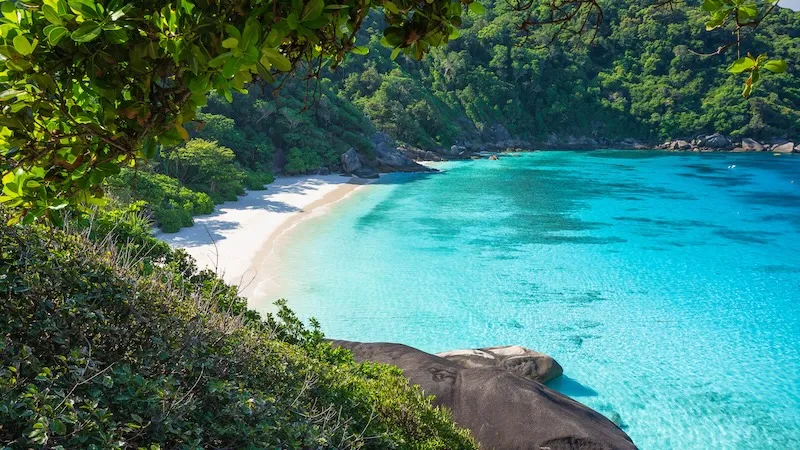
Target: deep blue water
{"type": "Point", "coordinates": [667, 285]}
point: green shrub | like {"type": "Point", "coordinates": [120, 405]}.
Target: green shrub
{"type": "Point", "coordinates": [256, 181]}
{"type": "Point", "coordinates": [172, 205]}
{"type": "Point", "coordinates": [99, 353]}
{"type": "Point", "coordinates": [301, 161]}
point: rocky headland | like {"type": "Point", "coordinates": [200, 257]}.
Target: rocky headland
{"type": "Point", "coordinates": [498, 394]}
{"type": "Point", "coordinates": [389, 156]}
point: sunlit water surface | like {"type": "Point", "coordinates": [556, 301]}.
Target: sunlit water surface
{"type": "Point", "coordinates": [666, 285]}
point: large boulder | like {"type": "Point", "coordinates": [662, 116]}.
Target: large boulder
{"type": "Point", "coordinates": [784, 148]}
{"type": "Point", "coordinates": [717, 141]}
{"type": "Point", "coordinates": [680, 145]}
{"type": "Point", "coordinates": [502, 409]}
{"type": "Point", "coordinates": [390, 159]}
{"type": "Point", "coordinates": [351, 161]}
{"type": "Point", "coordinates": [751, 145]}
{"type": "Point", "coordinates": [456, 150]}
{"type": "Point", "coordinates": [513, 358]}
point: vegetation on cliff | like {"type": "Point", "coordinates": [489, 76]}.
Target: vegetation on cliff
{"type": "Point", "coordinates": [110, 340]}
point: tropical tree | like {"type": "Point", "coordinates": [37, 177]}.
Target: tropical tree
{"type": "Point", "coordinates": [90, 86]}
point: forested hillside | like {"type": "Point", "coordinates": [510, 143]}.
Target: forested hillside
{"type": "Point", "coordinates": [639, 78]}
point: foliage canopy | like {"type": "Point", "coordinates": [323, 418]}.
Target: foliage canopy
{"type": "Point", "coordinates": [90, 86]}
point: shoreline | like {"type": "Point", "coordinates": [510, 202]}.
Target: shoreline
{"type": "Point", "coordinates": [239, 236]}
{"type": "Point", "coordinates": [256, 291]}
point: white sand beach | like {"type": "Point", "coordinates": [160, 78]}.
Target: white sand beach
{"type": "Point", "coordinates": [239, 235]}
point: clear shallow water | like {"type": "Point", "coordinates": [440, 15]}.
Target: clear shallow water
{"type": "Point", "coordinates": [667, 285]}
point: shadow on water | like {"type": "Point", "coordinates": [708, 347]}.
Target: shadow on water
{"type": "Point", "coordinates": [571, 387]}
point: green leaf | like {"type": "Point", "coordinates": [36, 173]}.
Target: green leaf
{"type": "Point", "coordinates": [230, 43]}
{"type": "Point", "coordinates": [313, 10]}
{"type": "Point", "coordinates": [58, 427]}
{"type": "Point", "coordinates": [55, 33]}
{"type": "Point", "coordinates": [251, 34]}
{"type": "Point", "coordinates": [712, 5]}
{"type": "Point", "coordinates": [477, 8]}
{"type": "Point", "coordinates": [776, 66]}
{"type": "Point", "coordinates": [219, 60]}
{"type": "Point", "coordinates": [51, 15]}
{"type": "Point", "coordinates": [292, 21]}
{"type": "Point", "coordinates": [87, 32]}
{"type": "Point", "coordinates": [361, 50]}
{"type": "Point", "coordinates": [277, 59]}
{"type": "Point", "coordinates": [22, 45]}
{"type": "Point", "coordinates": [9, 94]}
{"type": "Point", "coordinates": [741, 65]}
{"type": "Point", "coordinates": [391, 7]}
{"type": "Point", "coordinates": [395, 52]}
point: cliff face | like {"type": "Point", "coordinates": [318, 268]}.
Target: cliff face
{"type": "Point", "coordinates": [502, 409]}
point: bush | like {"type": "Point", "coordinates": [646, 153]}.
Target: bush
{"type": "Point", "coordinates": [172, 205]}
{"type": "Point", "coordinates": [255, 181]}
{"type": "Point", "coordinates": [205, 166]}
{"type": "Point", "coordinates": [301, 161]}
{"type": "Point", "coordinates": [99, 353]}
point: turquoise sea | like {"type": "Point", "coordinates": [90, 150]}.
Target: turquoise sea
{"type": "Point", "coordinates": [667, 285]}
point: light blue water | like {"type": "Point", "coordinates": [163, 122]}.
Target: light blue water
{"type": "Point", "coordinates": [667, 285]}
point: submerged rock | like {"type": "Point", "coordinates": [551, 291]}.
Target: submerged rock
{"type": "Point", "coordinates": [513, 358]}
{"type": "Point", "coordinates": [502, 409]}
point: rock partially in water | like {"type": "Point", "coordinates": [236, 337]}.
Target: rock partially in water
{"type": "Point", "coordinates": [717, 141]}
{"type": "Point", "coordinates": [513, 358]}
{"type": "Point", "coordinates": [752, 145]}
{"type": "Point", "coordinates": [680, 145]}
{"type": "Point", "coordinates": [503, 410]}
{"type": "Point", "coordinates": [493, 158]}
{"type": "Point", "coordinates": [391, 159]}
{"type": "Point", "coordinates": [784, 148]}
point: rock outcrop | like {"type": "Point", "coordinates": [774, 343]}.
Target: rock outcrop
{"type": "Point", "coordinates": [751, 145]}
{"type": "Point", "coordinates": [680, 145]}
{"type": "Point", "coordinates": [716, 141]}
{"type": "Point", "coordinates": [513, 358]}
{"type": "Point", "coordinates": [502, 409]}
{"type": "Point", "coordinates": [351, 161]}
{"type": "Point", "coordinates": [390, 159]}
{"type": "Point", "coordinates": [784, 148]}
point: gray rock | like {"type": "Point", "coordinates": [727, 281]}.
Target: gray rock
{"type": "Point", "coordinates": [390, 159]}
{"type": "Point", "coordinates": [797, 148]}
{"type": "Point", "coordinates": [514, 358]}
{"type": "Point", "coordinates": [351, 161]}
{"type": "Point", "coordinates": [784, 148]}
{"type": "Point", "coordinates": [717, 141]}
{"type": "Point", "coordinates": [680, 145]}
{"type": "Point", "coordinates": [456, 150]}
{"type": "Point", "coordinates": [751, 145]}
{"type": "Point", "coordinates": [503, 410]}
